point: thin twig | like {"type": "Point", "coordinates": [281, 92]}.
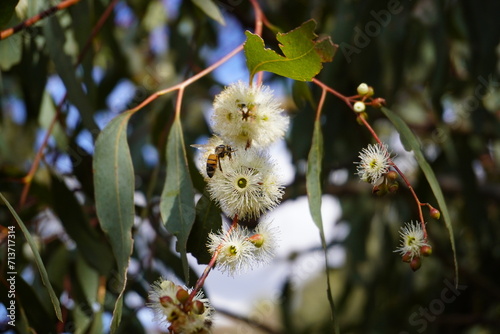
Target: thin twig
{"type": "Point", "coordinates": [32, 20]}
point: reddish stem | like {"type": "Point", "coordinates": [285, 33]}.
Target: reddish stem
{"type": "Point", "coordinates": [201, 281]}
{"type": "Point", "coordinates": [348, 101]}
{"type": "Point", "coordinates": [32, 20]}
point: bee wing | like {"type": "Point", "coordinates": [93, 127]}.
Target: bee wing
{"type": "Point", "coordinates": [201, 146]}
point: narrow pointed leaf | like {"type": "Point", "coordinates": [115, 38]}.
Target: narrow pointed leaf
{"type": "Point", "coordinates": [177, 199]}
{"type": "Point", "coordinates": [208, 219]}
{"type": "Point", "coordinates": [55, 37]}
{"type": "Point", "coordinates": [211, 9]}
{"type": "Point", "coordinates": [313, 184]}
{"type": "Point", "coordinates": [94, 249]}
{"type": "Point", "coordinates": [114, 196]}
{"type": "Point", "coordinates": [7, 8]}
{"type": "Point", "coordinates": [304, 53]}
{"type": "Point", "coordinates": [38, 260]}
{"type": "Point", "coordinates": [313, 177]}
{"type": "Point", "coordinates": [411, 143]}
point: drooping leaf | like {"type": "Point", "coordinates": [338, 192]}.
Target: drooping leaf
{"type": "Point", "coordinates": [7, 8]}
{"type": "Point", "coordinates": [177, 199]}
{"type": "Point", "coordinates": [38, 260]}
{"type": "Point", "coordinates": [304, 53]}
{"type": "Point", "coordinates": [11, 51]}
{"type": "Point", "coordinates": [313, 177]}
{"type": "Point", "coordinates": [114, 195]}
{"type": "Point", "coordinates": [211, 9]}
{"type": "Point", "coordinates": [54, 35]}
{"type": "Point", "coordinates": [314, 193]}
{"type": "Point", "coordinates": [94, 249]}
{"type": "Point", "coordinates": [208, 219]}
{"type": "Point", "coordinates": [411, 143]}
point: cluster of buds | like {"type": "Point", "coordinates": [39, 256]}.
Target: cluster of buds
{"type": "Point", "coordinates": [174, 305]}
{"type": "Point", "coordinates": [364, 98]}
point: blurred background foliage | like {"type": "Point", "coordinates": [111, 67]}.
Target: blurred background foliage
{"type": "Point", "coordinates": [435, 62]}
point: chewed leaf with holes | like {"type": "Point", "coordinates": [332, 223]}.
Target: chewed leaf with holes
{"type": "Point", "coordinates": [304, 53]}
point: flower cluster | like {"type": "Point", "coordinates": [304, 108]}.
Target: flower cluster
{"type": "Point", "coordinates": [240, 174]}
{"type": "Point", "coordinates": [240, 249]}
{"type": "Point", "coordinates": [185, 315]}
{"type": "Point", "coordinates": [413, 244]}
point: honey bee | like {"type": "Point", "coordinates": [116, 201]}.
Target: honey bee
{"type": "Point", "coordinates": [213, 159]}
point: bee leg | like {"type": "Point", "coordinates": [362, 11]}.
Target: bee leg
{"type": "Point", "coordinates": [220, 165]}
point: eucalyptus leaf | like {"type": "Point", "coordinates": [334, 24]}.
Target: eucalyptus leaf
{"type": "Point", "coordinates": [54, 35]}
{"type": "Point", "coordinates": [314, 193]}
{"type": "Point", "coordinates": [177, 199]}
{"type": "Point", "coordinates": [38, 260]}
{"type": "Point", "coordinates": [211, 9]}
{"type": "Point", "coordinates": [7, 8]}
{"type": "Point", "coordinates": [114, 196]}
{"type": "Point", "coordinates": [208, 219]}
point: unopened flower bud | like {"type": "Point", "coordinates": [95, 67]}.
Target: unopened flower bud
{"type": "Point", "coordinates": [165, 301]}
{"type": "Point", "coordinates": [426, 250]}
{"type": "Point", "coordinates": [198, 307]}
{"type": "Point", "coordinates": [393, 187]}
{"type": "Point", "coordinates": [392, 175]}
{"type": "Point", "coordinates": [378, 102]}
{"type": "Point", "coordinates": [359, 106]}
{"type": "Point", "coordinates": [363, 89]}
{"type": "Point", "coordinates": [380, 190]}
{"type": "Point", "coordinates": [182, 295]}
{"type": "Point", "coordinates": [257, 240]}
{"type": "Point", "coordinates": [406, 257]}
{"type": "Point", "coordinates": [415, 263]}
{"type": "Point", "coordinates": [435, 213]}
{"type": "Point", "coordinates": [370, 91]}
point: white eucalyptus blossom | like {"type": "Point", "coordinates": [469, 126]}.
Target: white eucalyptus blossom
{"type": "Point", "coordinates": [412, 240]}
{"type": "Point", "coordinates": [375, 162]}
{"type": "Point", "coordinates": [236, 252]}
{"type": "Point", "coordinates": [248, 115]}
{"type": "Point", "coordinates": [188, 317]}
{"type": "Point", "coordinates": [248, 186]}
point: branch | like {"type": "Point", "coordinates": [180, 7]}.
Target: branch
{"type": "Point", "coordinates": [38, 17]}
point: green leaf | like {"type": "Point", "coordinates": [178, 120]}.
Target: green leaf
{"type": "Point", "coordinates": [38, 260]}
{"type": "Point", "coordinates": [54, 35]}
{"type": "Point", "coordinates": [177, 199]}
{"type": "Point", "coordinates": [7, 8]}
{"type": "Point", "coordinates": [208, 219]}
{"type": "Point", "coordinates": [211, 9]}
{"type": "Point", "coordinates": [314, 193]}
{"type": "Point", "coordinates": [304, 53]}
{"type": "Point", "coordinates": [313, 177]}
{"type": "Point", "coordinates": [114, 195]}
{"type": "Point", "coordinates": [11, 51]}
{"type": "Point", "coordinates": [411, 143]}
{"type": "Point", "coordinates": [94, 249]}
